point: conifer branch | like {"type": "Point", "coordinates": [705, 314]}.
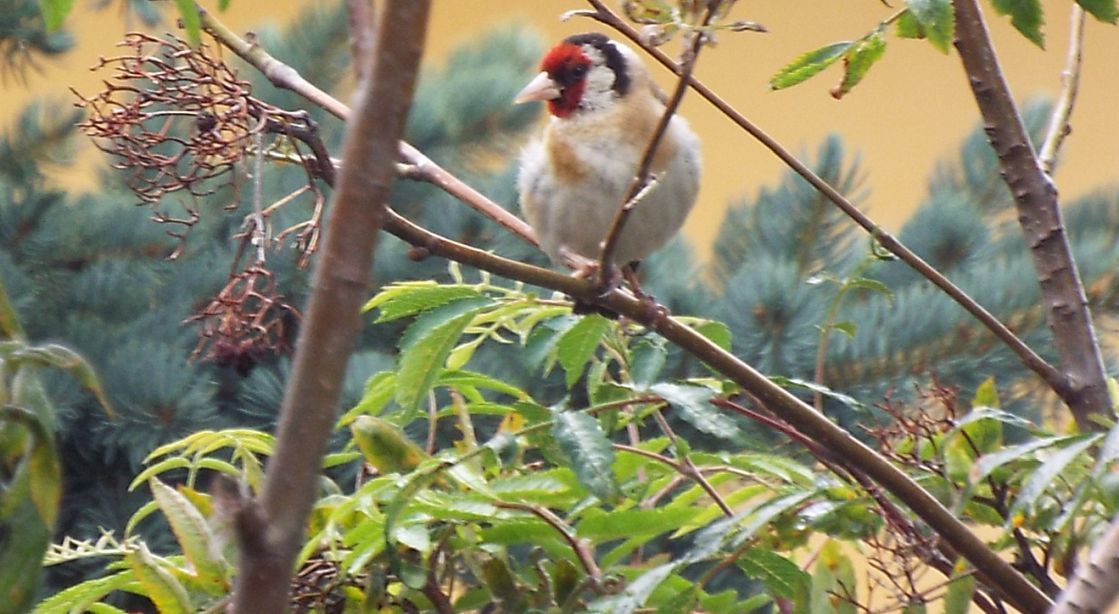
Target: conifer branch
{"type": "Point", "coordinates": [1052, 377]}
{"type": "Point", "coordinates": [1085, 385]}
{"type": "Point", "coordinates": [272, 527]}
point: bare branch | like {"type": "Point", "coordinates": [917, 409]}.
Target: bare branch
{"type": "Point", "coordinates": [361, 16]}
{"type": "Point", "coordinates": [1085, 389]}
{"type": "Point", "coordinates": [421, 167]}
{"type": "Point", "coordinates": [1059, 126]}
{"type": "Point", "coordinates": [340, 285]}
{"type": "Point", "coordinates": [643, 180]}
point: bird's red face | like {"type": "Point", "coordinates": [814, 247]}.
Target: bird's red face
{"type": "Point", "coordinates": [567, 66]}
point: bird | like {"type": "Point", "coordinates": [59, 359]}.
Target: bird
{"type": "Point", "coordinates": [604, 108]}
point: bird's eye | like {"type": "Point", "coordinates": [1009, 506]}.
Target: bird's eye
{"type": "Point", "coordinates": [579, 71]}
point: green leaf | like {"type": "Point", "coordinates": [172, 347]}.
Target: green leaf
{"type": "Point", "coordinates": [385, 446]}
{"type": "Point", "coordinates": [809, 65]}
{"type": "Point", "coordinates": [636, 592]}
{"type": "Point", "coordinates": [833, 582]}
{"type": "Point", "coordinates": [1026, 16]}
{"type": "Point", "coordinates": [589, 451]}
{"type": "Point", "coordinates": [408, 300]}
{"type": "Point", "coordinates": [503, 586]}
{"type": "Point", "coordinates": [858, 61]}
{"type": "Point", "coordinates": [958, 598]}
{"type": "Point", "coordinates": [1049, 470]}
{"type": "Point", "coordinates": [717, 332]}
{"type": "Point", "coordinates": [1103, 10]}
{"type": "Point", "coordinates": [425, 347]}
{"type": "Point", "coordinates": [909, 27]}
{"type": "Point", "coordinates": [604, 526]}
{"type": "Point", "coordinates": [576, 347]}
{"type": "Point", "coordinates": [647, 361]}
{"type": "Point", "coordinates": [937, 19]}
{"type": "Point", "coordinates": [194, 536]}
{"type": "Point", "coordinates": [693, 405]}
{"type": "Point", "coordinates": [80, 597]}
{"type": "Point", "coordinates": [781, 576]}
{"type": "Point", "coordinates": [55, 12]}
{"type": "Point", "coordinates": [987, 395]}
{"type": "Point", "coordinates": [159, 584]}
{"type": "Point", "coordinates": [188, 14]}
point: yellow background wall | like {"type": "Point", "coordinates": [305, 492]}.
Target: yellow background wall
{"type": "Point", "coordinates": [912, 109]}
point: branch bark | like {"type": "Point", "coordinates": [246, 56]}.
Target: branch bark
{"type": "Point", "coordinates": [1059, 126]}
{"type": "Point", "coordinates": [1097, 582]}
{"type": "Point", "coordinates": [1039, 213]}
{"type": "Point", "coordinates": [272, 527]}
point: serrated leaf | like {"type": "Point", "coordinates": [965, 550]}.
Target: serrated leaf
{"type": "Point", "coordinates": [589, 451]}
{"type": "Point", "coordinates": [646, 362]}
{"type": "Point", "coordinates": [576, 347]}
{"type": "Point", "coordinates": [1026, 16]}
{"type": "Point", "coordinates": [55, 12]}
{"type": "Point", "coordinates": [197, 541]}
{"type": "Point", "coordinates": [717, 332]}
{"type": "Point", "coordinates": [809, 65]}
{"type": "Point", "coordinates": [425, 347]}
{"type": "Point", "coordinates": [192, 24]}
{"type": "Point", "coordinates": [160, 585]}
{"type": "Point", "coordinates": [1043, 476]}
{"type": "Point", "coordinates": [626, 523]}
{"type": "Point", "coordinates": [1103, 10]}
{"type": "Point", "coordinates": [79, 597]}
{"type": "Point", "coordinates": [380, 388]}
{"type": "Point", "coordinates": [781, 576]}
{"type": "Point", "coordinates": [987, 464]}
{"type": "Point", "coordinates": [404, 301]}
{"type": "Point", "coordinates": [937, 19]}
{"type": "Point", "coordinates": [857, 62]}
{"type": "Point", "coordinates": [909, 27]}
{"type": "Point", "coordinates": [692, 403]}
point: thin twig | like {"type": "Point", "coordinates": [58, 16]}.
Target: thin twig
{"type": "Point", "coordinates": [580, 547]}
{"type": "Point", "coordinates": [361, 19]}
{"type": "Point", "coordinates": [643, 181]}
{"type": "Point", "coordinates": [1052, 377]}
{"type": "Point", "coordinates": [1059, 126]}
{"type": "Point", "coordinates": [688, 468]}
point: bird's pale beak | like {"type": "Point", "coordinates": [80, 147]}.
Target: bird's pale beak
{"type": "Point", "coordinates": [540, 88]}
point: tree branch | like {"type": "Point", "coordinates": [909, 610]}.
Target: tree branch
{"type": "Point", "coordinates": [1002, 578]}
{"type": "Point", "coordinates": [1096, 583]}
{"type": "Point", "coordinates": [643, 180]}
{"type": "Point", "coordinates": [1052, 377]}
{"type": "Point", "coordinates": [340, 285]}
{"type": "Point", "coordinates": [1039, 214]}
{"type": "Point", "coordinates": [1059, 126]}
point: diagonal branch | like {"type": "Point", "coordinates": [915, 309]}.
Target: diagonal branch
{"type": "Point", "coordinates": [283, 76]}
{"type": "Point", "coordinates": [1052, 377]}
{"type": "Point", "coordinates": [1002, 578]}
{"type": "Point", "coordinates": [1039, 214]}
{"type": "Point", "coordinates": [271, 528]}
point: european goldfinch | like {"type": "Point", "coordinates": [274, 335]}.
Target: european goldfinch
{"type": "Point", "coordinates": [604, 109]}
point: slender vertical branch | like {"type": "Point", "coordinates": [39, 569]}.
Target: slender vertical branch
{"type": "Point", "coordinates": [643, 180]}
{"type": "Point", "coordinates": [1059, 126]}
{"type": "Point", "coordinates": [273, 526]}
{"type": "Point", "coordinates": [1039, 214]}
{"type": "Point", "coordinates": [361, 17]}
